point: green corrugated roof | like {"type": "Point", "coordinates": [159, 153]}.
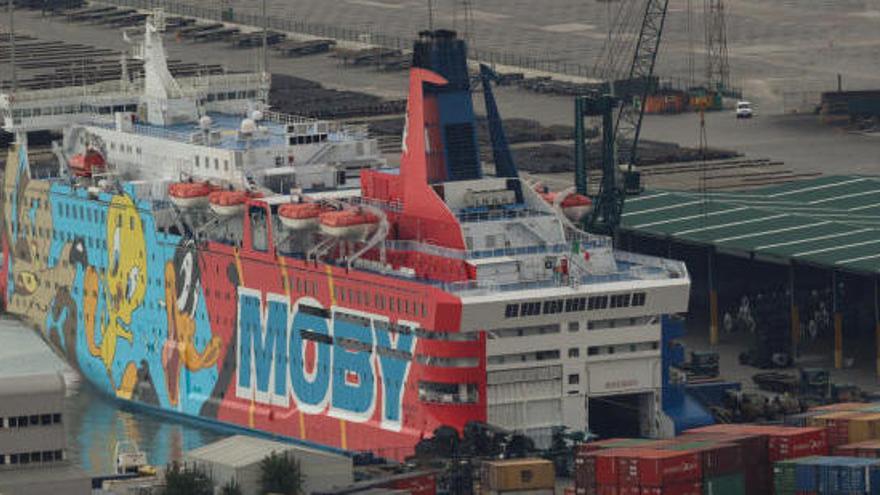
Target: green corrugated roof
{"type": "Point", "coordinates": [832, 220]}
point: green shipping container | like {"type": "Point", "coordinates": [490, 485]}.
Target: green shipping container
{"type": "Point", "coordinates": [729, 484]}
{"type": "Point", "coordinates": [784, 477]}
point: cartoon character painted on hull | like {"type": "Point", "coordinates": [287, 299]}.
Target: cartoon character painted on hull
{"type": "Point", "coordinates": [86, 272]}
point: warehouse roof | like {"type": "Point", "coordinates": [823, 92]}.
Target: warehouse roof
{"type": "Point", "coordinates": [832, 221]}
{"type": "Point", "coordinates": [242, 450]}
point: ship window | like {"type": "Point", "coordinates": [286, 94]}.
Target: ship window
{"type": "Point", "coordinates": [198, 162]}
{"type": "Point", "coordinates": [13, 458]}
{"type": "Point", "coordinates": [574, 352]}
{"type": "Point", "coordinates": [573, 326]}
{"type": "Point", "coordinates": [216, 164]}
{"type": "Point", "coordinates": [448, 393]}
{"type": "Point", "coordinates": [226, 165]}
{"type": "Point", "coordinates": [638, 299]}
{"type": "Point", "coordinates": [574, 379]}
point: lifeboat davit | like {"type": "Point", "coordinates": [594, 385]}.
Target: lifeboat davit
{"type": "Point", "coordinates": [88, 163]}
{"type": "Point", "coordinates": [351, 224]}
{"type": "Point", "coordinates": [300, 216]}
{"type": "Point", "coordinates": [229, 203]}
{"type": "Point", "coordinates": [189, 195]}
{"type": "Point", "coordinates": [574, 206]}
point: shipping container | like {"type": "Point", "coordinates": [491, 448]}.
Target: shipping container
{"type": "Point", "coordinates": [841, 406]}
{"type": "Point", "coordinates": [649, 468]}
{"type": "Point", "coordinates": [864, 427]}
{"type": "Point", "coordinates": [728, 484]}
{"type": "Point", "coordinates": [868, 449]}
{"type": "Point", "coordinates": [518, 474]}
{"type": "Point", "coordinates": [607, 490]}
{"type": "Point", "coordinates": [784, 481]}
{"type": "Point", "coordinates": [715, 458]}
{"type": "Point", "coordinates": [756, 445]}
{"type": "Point", "coordinates": [689, 488]}
{"type": "Point", "coordinates": [614, 443]}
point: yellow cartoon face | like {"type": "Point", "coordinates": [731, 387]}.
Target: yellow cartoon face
{"type": "Point", "coordinates": [127, 263]}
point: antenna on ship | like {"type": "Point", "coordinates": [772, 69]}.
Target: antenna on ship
{"type": "Point", "coordinates": [265, 53]}
{"type": "Point", "coordinates": [430, 15]}
{"type": "Point", "coordinates": [11, 6]}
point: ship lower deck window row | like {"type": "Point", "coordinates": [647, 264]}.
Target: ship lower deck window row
{"type": "Point", "coordinates": [575, 304]}
{"type": "Point", "coordinates": [32, 457]}
{"type": "Point", "coordinates": [30, 420]}
{"type": "Point", "coordinates": [573, 353]}
{"type": "Point", "coordinates": [524, 357]}
{"type": "Point", "coordinates": [607, 350]}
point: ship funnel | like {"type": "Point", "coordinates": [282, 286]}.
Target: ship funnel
{"type": "Point", "coordinates": [449, 112]}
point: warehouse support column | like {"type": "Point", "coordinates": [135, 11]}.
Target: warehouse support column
{"type": "Point", "coordinates": [795, 313]}
{"type": "Point", "coordinates": [838, 323]}
{"type": "Point", "coordinates": [713, 299]}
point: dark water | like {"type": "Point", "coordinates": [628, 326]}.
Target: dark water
{"type": "Point", "coordinates": [94, 422]}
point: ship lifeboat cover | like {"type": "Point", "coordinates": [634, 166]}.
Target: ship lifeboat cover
{"type": "Point", "coordinates": [573, 200]}
{"type": "Point", "coordinates": [84, 164]}
{"type": "Point", "coordinates": [299, 211]}
{"type": "Point", "coordinates": [348, 218]}
{"type": "Point", "coordinates": [186, 190]}
{"type": "Point", "coordinates": [228, 198]}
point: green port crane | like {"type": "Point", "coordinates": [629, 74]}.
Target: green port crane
{"type": "Point", "coordinates": [622, 116]}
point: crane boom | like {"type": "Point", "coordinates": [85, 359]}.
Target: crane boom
{"type": "Point", "coordinates": [631, 113]}
{"type": "Point", "coordinates": [627, 122]}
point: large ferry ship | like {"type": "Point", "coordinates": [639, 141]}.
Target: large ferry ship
{"type": "Point", "coordinates": [195, 252]}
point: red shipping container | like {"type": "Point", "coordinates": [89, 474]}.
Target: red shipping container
{"type": "Point", "coordinates": [691, 488]}
{"type": "Point", "coordinates": [607, 470]}
{"type": "Point", "coordinates": [717, 458]}
{"type": "Point", "coordinates": [607, 490]}
{"type": "Point", "coordinates": [615, 443]}
{"type": "Point", "coordinates": [625, 489]}
{"type": "Point", "coordinates": [658, 467]}
{"type": "Point", "coordinates": [793, 443]}
{"type": "Point", "coordinates": [584, 473]}
{"type": "Point", "coordinates": [868, 449]}
{"type": "Point", "coordinates": [758, 479]}
{"type": "Point", "coordinates": [754, 446]}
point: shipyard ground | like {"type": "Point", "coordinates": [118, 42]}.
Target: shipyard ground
{"type": "Point", "coordinates": [801, 142]}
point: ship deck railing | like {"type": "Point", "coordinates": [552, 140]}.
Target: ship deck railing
{"type": "Point", "coordinates": [339, 130]}
{"type": "Point", "coordinates": [629, 267]}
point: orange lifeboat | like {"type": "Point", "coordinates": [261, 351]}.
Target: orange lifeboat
{"type": "Point", "coordinates": [188, 195]}
{"type": "Point", "coordinates": [300, 216]}
{"type": "Point", "coordinates": [352, 224]}
{"type": "Point", "coordinates": [228, 203]}
{"type": "Point", "coordinates": [88, 163]}
{"type": "Point", "coordinates": [574, 206]}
